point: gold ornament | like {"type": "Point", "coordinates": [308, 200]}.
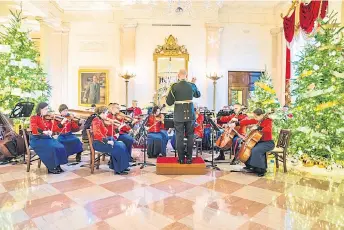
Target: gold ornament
{"type": "Point", "coordinates": [308, 162]}
{"type": "Point", "coordinates": [306, 73]}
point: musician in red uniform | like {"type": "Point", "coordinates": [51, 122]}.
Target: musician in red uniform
{"type": "Point", "coordinates": [237, 116]}
{"type": "Point", "coordinates": [65, 128]}
{"type": "Point", "coordinates": [199, 129]}
{"type": "Point", "coordinates": [50, 151]}
{"type": "Point", "coordinates": [123, 130]}
{"type": "Point", "coordinates": [107, 144]}
{"type": "Point", "coordinates": [136, 111]}
{"type": "Point", "coordinates": [257, 161]}
{"type": "Point", "coordinates": [157, 136]}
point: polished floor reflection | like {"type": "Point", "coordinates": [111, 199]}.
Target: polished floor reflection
{"type": "Point", "coordinates": [143, 200]}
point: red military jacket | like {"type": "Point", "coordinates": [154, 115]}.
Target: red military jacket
{"type": "Point", "coordinates": [154, 125]}
{"type": "Point", "coordinates": [242, 129]}
{"type": "Point", "coordinates": [99, 130]}
{"type": "Point", "coordinates": [136, 111]}
{"type": "Point", "coordinates": [113, 129]}
{"type": "Point", "coordinates": [266, 126]}
{"type": "Point", "coordinates": [38, 125]}
{"type": "Point", "coordinates": [125, 129]}
{"type": "Point", "coordinates": [198, 130]}
{"type": "Point", "coordinates": [69, 126]}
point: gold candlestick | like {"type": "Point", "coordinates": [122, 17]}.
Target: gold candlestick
{"type": "Point", "coordinates": [126, 77]}
{"type": "Point", "coordinates": [214, 77]}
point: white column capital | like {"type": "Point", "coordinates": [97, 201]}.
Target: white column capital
{"type": "Point", "coordinates": [214, 27]}
{"type": "Point", "coordinates": [129, 26]}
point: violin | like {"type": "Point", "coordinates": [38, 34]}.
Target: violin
{"type": "Point", "coordinates": [57, 117]}
{"type": "Point", "coordinates": [109, 121]}
{"type": "Point", "coordinates": [121, 116]}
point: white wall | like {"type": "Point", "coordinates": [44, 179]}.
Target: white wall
{"type": "Point", "coordinates": [93, 45]}
{"type": "Point", "coordinates": [244, 47]}
{"type": "Point", "coordinates": [147, 38]}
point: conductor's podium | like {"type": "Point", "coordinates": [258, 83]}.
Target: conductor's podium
{"type": "Point", "coordinates": [170, 166]}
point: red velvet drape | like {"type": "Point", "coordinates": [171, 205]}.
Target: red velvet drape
{"type": "Point", "coordinates": [289, 30]}
{"type": "Point", "coordinates": [309, 13]}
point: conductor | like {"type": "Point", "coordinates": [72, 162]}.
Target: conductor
{"type": "Point", "coordinates": [181, 95]}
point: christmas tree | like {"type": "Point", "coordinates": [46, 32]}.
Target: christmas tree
{"type": "Point", "coordinates": [21, 76]}
{"type": "Point", "coordinates": [318, 117]}
{"type": "Point", "coordinates": [264, 97]}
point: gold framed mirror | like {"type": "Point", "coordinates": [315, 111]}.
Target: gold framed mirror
{"type": "Point", "coordinates": [169, 58]}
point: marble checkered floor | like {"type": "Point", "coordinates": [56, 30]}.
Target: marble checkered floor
{"type": "Point", "coordinates": [143, 200]}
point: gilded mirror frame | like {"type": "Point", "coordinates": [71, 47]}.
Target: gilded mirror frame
{"type": "Point", "coordinates": [171, 49]}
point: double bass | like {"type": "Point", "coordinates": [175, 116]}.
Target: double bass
{"type": "Point", "coordinates": [250, 141]}
{"type": "Point", "coordinates": [226, 139]}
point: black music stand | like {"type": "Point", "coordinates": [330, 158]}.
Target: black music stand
{"type": "Point", "coordinates": [144, 134]}
{"type": "Point", "coordinates": [214, 128]}
{"type": "Point", "coordinates": [22, 110]}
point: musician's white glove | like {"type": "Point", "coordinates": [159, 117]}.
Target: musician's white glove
{"type": "Point", "coordinates": [234, 119]}
{"type": "Point", "coordinates": [111, 143]}
{"type": "Point", "coordinates": [117, 135]}
{"type": "Point", "coordinates": [64, 121]}
{"type": "Point", "coordinates": [48, 133]}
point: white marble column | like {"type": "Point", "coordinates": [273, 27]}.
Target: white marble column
{"type": "Point", "coordinates": [127, 62]}
{"type": "Point", "coordinates": [278, 63]}
{"type": "Point", "coordinates": [213, 45]}
{"type": "Point", "coordinates": [54, 59]}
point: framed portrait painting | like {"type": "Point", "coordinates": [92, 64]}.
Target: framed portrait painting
{"type": "Point", "coordinates": [93, 87]}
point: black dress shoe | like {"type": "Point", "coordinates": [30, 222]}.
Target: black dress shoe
{"type": "Point", "coordinates": [53, 171]}
{"type": "Point", "coordinates": [78, 157]}
{"type": "Point", "coordinates": [235, 162]}
{"type": "Point", "coordinates": [189, 161]}
{"type": "Point", "coordinates": [122, 173]}
{"type": "Point", "coordinates": [127, 170]}
{"type": "Point", "coordinates": [247, 168]}
{"type": "Point", "coordinates": [181, 162]}
{"type": "Point", "coordinates": [261, 174]}
{"type": "Point", "coordinates": [59, 169]}
{"type": "Point", "coordinates": [220, 158]}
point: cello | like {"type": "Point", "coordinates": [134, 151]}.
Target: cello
{"type": "Point", "coordinates": [225, 141]}
{"type": "Point", "coordinates": [250, 141]}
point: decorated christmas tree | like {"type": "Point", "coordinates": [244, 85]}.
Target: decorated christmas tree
{"type": "Point", "coordinates": [264, 97]}
{"type": "Point", "coordinates": [21, 76]}
{"type": "Point", "coordinates": [318, 112]}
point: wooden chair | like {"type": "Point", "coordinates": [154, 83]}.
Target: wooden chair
{"type": "Point", "coordinates": [26, 136]}
{"type": "Point", "coordinates": [93, 158]}
{"type": "Point", "coordinates": [281, 148]}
